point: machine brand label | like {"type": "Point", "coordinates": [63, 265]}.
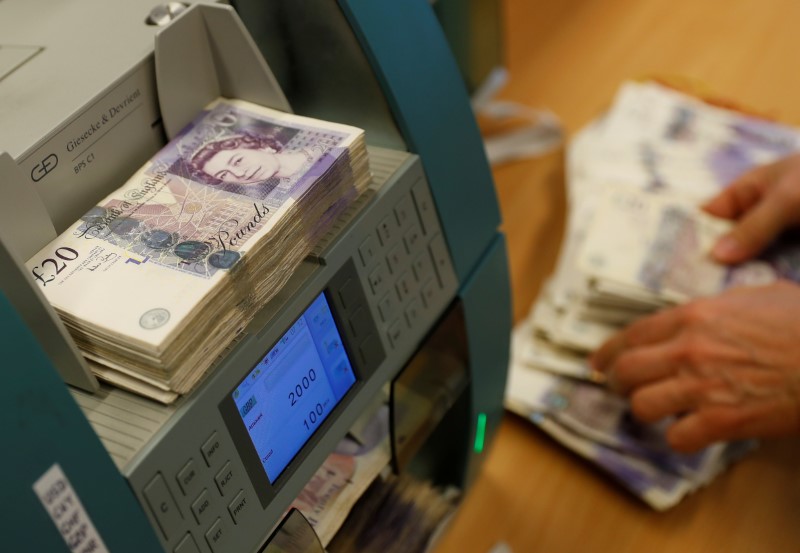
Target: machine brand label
{"type": "Point", "coordinates": [67, 513]}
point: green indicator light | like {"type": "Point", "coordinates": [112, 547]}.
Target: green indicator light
{"type": "Point", "coordinates": [480, 432]}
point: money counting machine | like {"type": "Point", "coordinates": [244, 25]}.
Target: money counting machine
{"type": "Point", "coordinates": [412, 283]}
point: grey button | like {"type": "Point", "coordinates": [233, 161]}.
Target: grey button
{"type": "Point", "coordinates": [371, 350]}
{"type": "Point", "coordinates": [405, 286]}
{"type": "Point", "coordinates": [348, 294]}
{"type": "Point", "coordinates": [412, 239]}
{"type": "Point", "coordinates": [378, 278]}
{"type": "Point", "coordinates": [163, 506]}
{"type": "Point", "coordinates": [388, 306]}
{"type": "Point", "coordinates": [386, 230]}
{"type": "Point", "coordinates": [404, 211]}
{"type": "Point", "coordinates": [201, 507]}
{"type": "Point", "coordinates": [423, 268]}
{"type": "Point", "coordinates": [361, 322]}
{"type": "Point", "coordinates": [368, 250]}
{"type": "Point", "coordinates": [211, 448]}
{"type": "Point", "coordinates": [224, 478]}
{"type": "Point", "coordinates": [187, 545]}
{"type": "Point", "coordinates": [396, 258]}
{"type": "Point", "coordinates": [219, 535]}
{"type": "Point", "coordinates": [188, 478]}
{"type": "Point", "coordinates": [239, 506]}
{"type": "Point", "coordinates": [412, 313]}
{"type": "Point", "coordinates": [441, 257]}
{"type": "Point", "coordinates": [429, 292]}
{"type": "Point", "coordinates": [396, 332]}
{"type": "Point", "coordinates": [425, 207]}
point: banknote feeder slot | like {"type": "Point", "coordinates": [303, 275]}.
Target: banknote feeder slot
{"type": "Point", "coordinates": [424, 393]}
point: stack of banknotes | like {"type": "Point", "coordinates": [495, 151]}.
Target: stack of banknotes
{"type": "Point", "coordinates": [637, 241]}
{"type": "Point", "coordinates": [158, 279]}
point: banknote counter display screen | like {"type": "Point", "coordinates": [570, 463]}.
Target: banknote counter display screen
{"type": "Point", "coordinates": [292, 390]}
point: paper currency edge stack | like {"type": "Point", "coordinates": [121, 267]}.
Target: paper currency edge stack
{"type": "Point", "coordinates": [167, 362]}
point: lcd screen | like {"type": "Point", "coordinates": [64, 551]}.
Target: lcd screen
{"type": "Point", "coordinates": [285, 398]}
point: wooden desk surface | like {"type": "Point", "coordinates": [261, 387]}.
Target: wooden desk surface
{"type": "Point", "coordinates": [570, 56]}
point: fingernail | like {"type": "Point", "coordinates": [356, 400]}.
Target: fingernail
{"type": "Point", "coordinates": [726, 248]}
{"type": "Point", "coordinates": [598, 378]}
{"type": "Point", "coordinates": [594, 374]}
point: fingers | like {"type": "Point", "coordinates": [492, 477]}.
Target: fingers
{"type": "Point", "coordinates": [743, 403]}
{"type": "Point", "coordinates": [765, 200]}
{"type": "Point", "coordinates": [731, 422]}
{"type": "Point", "coordinates": [676, 396]}
{"type": "Point", "coordinates": [740, 195]}
{"type": "Point", "coordinates": [649, 330]}
{"type": "Point", "coordinates": [698, 430]}
{"type": "Point", "coordinates": [754, 231]}
{"type": "Point", "coordinates": [747, 190]}
{"type": "Point", "coordinates": [643, 365]}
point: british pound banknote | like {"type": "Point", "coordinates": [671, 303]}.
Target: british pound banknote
{"type": "Point", "coordinates": [328, 497]}
{"type": "Point", "coordinates": [200, 236]}
{"type": "Point", "coordinates": [653, 242]}
{"type": "Point", "coordinates": [658, 244]}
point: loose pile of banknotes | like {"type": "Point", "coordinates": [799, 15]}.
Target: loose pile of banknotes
{"type": "Point", "coordinates": [636, 241]}
{"type": "Point", "coordinates": [159, 278]}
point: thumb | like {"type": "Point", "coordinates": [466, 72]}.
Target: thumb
{"type": "Point", "coordinates": [753, 232]}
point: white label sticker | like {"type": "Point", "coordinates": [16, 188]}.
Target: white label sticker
{"type": "Point", "coordinates": [65, 509]}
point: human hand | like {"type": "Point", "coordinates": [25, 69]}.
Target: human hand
{"type": "Point", "coordinates": [765, 201]}
{"type": "Point", "coordinates": [728, 367]}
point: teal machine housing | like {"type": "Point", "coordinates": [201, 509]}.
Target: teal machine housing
{"type": "Point", "coordinates": [394, 75]}
{"type": "Point", "coordinates": [381, 65]}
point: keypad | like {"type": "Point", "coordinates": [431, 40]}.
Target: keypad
{"type": "Point", "coordinates": [210, 502]}
{"type": "Point", "coordinates": [408, 265]}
